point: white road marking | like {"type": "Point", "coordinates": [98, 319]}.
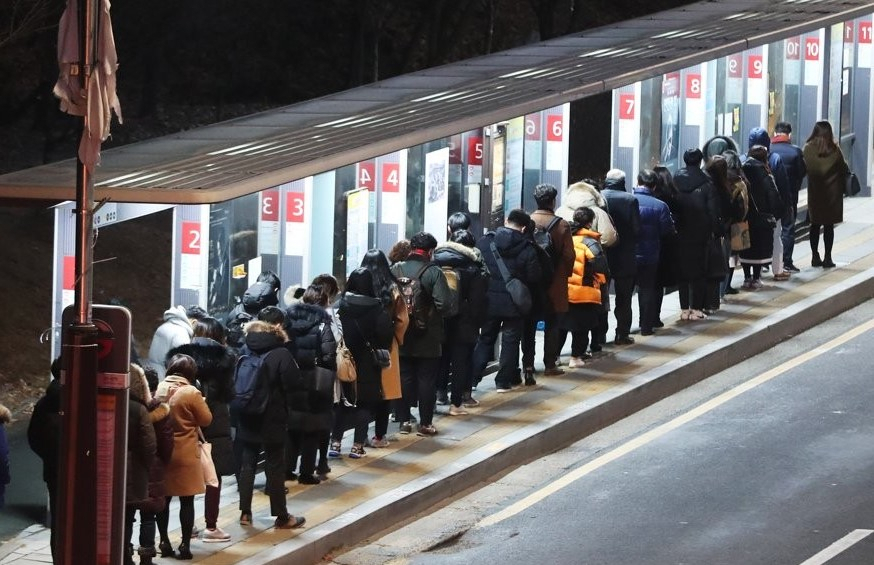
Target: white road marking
{"type": "Point", "coordinates": [839, 546]}
{"type": "Point", "coordinates": [661, 430]}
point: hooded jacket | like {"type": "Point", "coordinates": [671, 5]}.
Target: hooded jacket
{"type": "Point", "coordinates": [473, 281]}
{"type": "Point", "coordinates": [141, 440]}
{"type": "Point", "coordinates": [590, 268]}
{"type": "Point", "coordinates": [367, 325]}
{"type": "Point", "coordinates": [697, 219]}
{"type": "Point", "coordinates": [309, 329]}
{"type": "Point", "coordinates": [718, 145]}
{"type": "Point", "coordinates": [582, 194]}
{"type": "Point", "coordinates": [517, 251]}
{"type": "Point", "coordinates": [281, 374]}
{"type": "Point", "coordinates": [215, 377]}
{"type": "Point", "coordinates": [759, 136]}
{"type": "Point", "coordinates": [173, 332]}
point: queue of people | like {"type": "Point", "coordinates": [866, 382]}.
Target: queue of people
{"type": "Point", "coordinates": [417, 327]}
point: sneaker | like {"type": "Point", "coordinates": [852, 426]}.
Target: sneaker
{"type": "Point", "coordinates": [378, 442]}
{"type": "Point", "coordinates": [470, 402]}
{"type": "Point", "coordinates": [576, 363]}
{"type": "Point", "coordinates": [553, 371]}
{"type": "Point", "coordinates": [747, 284]}
{"type": "Point", "coordinates": [334, 449]}
{"type": "Point", "coordinates": [406, 428]}
{"type": "Point", "coordinates": [289, 522]}
{"type": "Point", "coordinates": [195, 531]}
{"type": "Point", "coordinates": [790, 267]}
{"type": "Point", "coordinates": [426, 431]}
{"type": "Point", "coordinates": [457, 411]}
{"type": "Point", "coordinates": [215, 536]}
{"type": "Point", "coordinates": [357, 451]}
{"type": "Point", "coordinates": [504, 388]}
{"type": "Point", "coordinates": [784, 276]}
{"type": "Point", "coordinates": [757, 284]}
{"type": "Point", "coordinates": [442, 398]}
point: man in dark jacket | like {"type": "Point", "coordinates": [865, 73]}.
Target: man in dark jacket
{"type": "Point", "coordinates": [43, 437]}
{"type": "Point", "coordinates": [421, 351]}
{"type": "Point", "coordinates": [655, 223]}
{"type": "Point", "coordinates": [556, 292]}
{"type": "Point", "coordinates": [625, 211]}
{"type": "Point", "coordinates": [518, 254]}
{"type": "Point", "coordinates": [793, 162]}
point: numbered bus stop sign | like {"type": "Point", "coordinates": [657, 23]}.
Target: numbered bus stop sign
{"type": "Point", "coordinates": [113, 363]}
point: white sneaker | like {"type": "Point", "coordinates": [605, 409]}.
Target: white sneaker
{"type": "Point", "coordinates": [576, 363]}
{"type": "Point", "coordinates": [457, 411]}
{"type": "Point", "coordinates": [217, 535]}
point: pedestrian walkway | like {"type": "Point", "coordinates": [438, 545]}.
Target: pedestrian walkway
{"type": "Point", "coordinates": [366, 496]}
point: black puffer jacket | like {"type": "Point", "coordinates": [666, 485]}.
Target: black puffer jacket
{"type": "Point", "coordinates": [364, 320]}
{"type": "Point", "coordinates": [520, 257]}
{"type": "Point", "coordinates": [473, 283]}
{"type": "Point", "coordinates": [696, 220]}
{"type": "Point", "coordinates": [282, 375]}
{"type": "Point", "coordinates": [215, 376]}
{"type": "Point", "coordinates": [309, 329]}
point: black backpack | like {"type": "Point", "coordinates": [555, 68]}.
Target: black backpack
{"type": "Point", "coordinates": [250, 385]}
{"type": "Point", "coordinates": [547, 253]}
{"type": "Point", "coordinates": [237, 318]}
{"type": "Point", "coordinates": [258, 296]}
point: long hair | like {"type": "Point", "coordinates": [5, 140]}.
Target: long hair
{"type": "Point", "coordinates": [823, 138]}
{"type": "Point", "coordinates": [665, 189]}
{"type": "Point", "coordinates": [717, 168]}
{"type": "Point", "coordinates": [209, 327]}
{"type": "Point", "coordinates": [384, 282]}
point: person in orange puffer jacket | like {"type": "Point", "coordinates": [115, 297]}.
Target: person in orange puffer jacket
{"type": "Point", "coordinates": [584, 287]}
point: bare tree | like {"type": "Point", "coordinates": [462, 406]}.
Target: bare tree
{"type": "Point", "coordinates": [26, 18]}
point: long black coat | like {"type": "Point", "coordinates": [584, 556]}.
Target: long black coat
{"type": "Point", "coordinates": [625, 211]}
{"type": "Point", "coordinates": [763, 199]}
{"type": "Point", "coordinates": [518, 252]}
{"type": "Point", "coordinates": [215, 376]}
{"type": "Point", "coordinates": [44, 432]}
{"type": "Point", "coordinates": [364, 320]}
{"type": "Point", "coordinates": [309, 329]}
{"type": "Point", "coordinates": [282, 375]}
{"type": "Point", "coordinates": [696, 219]}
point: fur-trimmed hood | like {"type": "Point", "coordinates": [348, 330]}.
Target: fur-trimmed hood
{"type": "Point", "coordinates": [139, 385]}
{"type": "Point", "coordinates": [263, 336]}
{"type": "Point", "coordinates": [582, 194]}
{"type": "Point", "coordinates": [451, 253]}
{"type": "Point", "coordinates": [300, 318]}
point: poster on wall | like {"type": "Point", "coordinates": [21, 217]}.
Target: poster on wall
{"type": "Point", "coordinates": [436, 191]}
{"type": "Point", "coordinates": [515, 155]}
{"type": "Point", "coordinates": [670, 120]}
{"type": "Point", "coordinates": [357, 209]}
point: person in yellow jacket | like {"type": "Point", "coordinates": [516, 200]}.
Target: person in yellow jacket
{"type": "Point", "coordinates": [584, 287]}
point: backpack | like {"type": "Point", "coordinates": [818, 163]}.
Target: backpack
{"type": "Point", "coordinates": [419, 303]}
{"type": "Point", "coordinates": [250, 385]}
{"type": "Point", "coordinates": [236, 320]}
{"type": "Point", "coordinates": [548, 253]}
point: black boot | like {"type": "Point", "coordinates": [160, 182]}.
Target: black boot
{"type": "Point", "coordinates": [184, 551]}
{"type": "Point", "coordinates": [166, 549]}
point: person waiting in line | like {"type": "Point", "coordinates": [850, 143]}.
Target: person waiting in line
{"type": "Point", "coordinates": [740, 232]}
{"type": "Point", "coordinates": [656, 224]}
{"type": "Point", "coordinates": [764, 202]}
{"type": "Point", "coordinates": [215, 375]}
{"type": "Point", "coordinates": [666, 191]}
{"type": "Point", "coordinates": [517, 252]}
{"type": "Point", "coordinates": [159, 417]}
{"type": "Point", "coordinates": [268, 430]}
{"type": "Point", "coordinates": [584, 286]}
{"type": "Point", "coordinates": [308, 326]}
{"type": "Point", "coordinates": [399, 251]}
{"type": "Point", "coordinates": [184, 473]}
{"type": "Point", "coordinates": [796, 170]}
{"type": "Point", "coordinates": [625, 211]}
{"type": "Point", "coordinates": [386, 289]}
{"type": "Point", "coordinates": [174, 331]}
{"type": "Point", "coordinates": [555, 286]}
{"type": "Point", "coordinates": [44, 439]}
{"type": "Point", "coordinates": [366, 326]}
{"type": "Point", "coordinates": [460, 255]}
{"type": "Point", "coordinates": [423, 340]}
{"type": "Point", "coordinates": [584, 193]}
{"type": "Point", "coordinates": [697, 213]}
{"type": "Point", "coordinates": [331, 288]}
{"type": "Point", "coordinates": [826, 171]}
{"type": "Point", "coordinates": [456, 221]}
{"type": "Point", "coordinates": [5, 475]}
{"type": "Point", "coordinates": [142, 448]}
{"type": "Point", "coordinates": [759, 136]}
{"type": "Point", "coordinates": [718, 250]}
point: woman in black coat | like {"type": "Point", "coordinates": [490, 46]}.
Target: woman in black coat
{"type": "Point", "coordinates": [367, 326]}
{"type": "Point", "coordinates": [215, 375]}
{"type": "Point", "coordinates": [308, 325]}
{"type": "Point", "coordinates": [765, 206]}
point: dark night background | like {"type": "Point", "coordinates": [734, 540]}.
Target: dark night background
{"type": "Point", "coordinates": [195, 62]}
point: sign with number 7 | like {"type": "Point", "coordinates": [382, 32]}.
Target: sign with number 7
{"type": "Point", "coordinates": [626, 106]}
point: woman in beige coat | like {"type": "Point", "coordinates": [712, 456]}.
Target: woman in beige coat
{"type": "Point", "coordinates": [184, 474]}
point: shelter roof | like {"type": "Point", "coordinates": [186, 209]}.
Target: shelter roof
{"type": "Point", "coordinates": [248, 154]}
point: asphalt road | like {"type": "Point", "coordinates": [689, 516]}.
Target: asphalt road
{"type": "Point", "coordinates": [767, 463]}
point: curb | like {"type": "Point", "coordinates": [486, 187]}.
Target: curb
{"type": "Point", "coordinates": [567, 426]}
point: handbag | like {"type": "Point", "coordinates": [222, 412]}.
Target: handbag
{"type": "Point", "coordinates": [519, 293]}
{"type": "Point", "coordinates": [346, 370]}
{"type": "Point", "coordinates": [852, 186]}
{"type": "Point", "coordinates": [210, 478]}
{"type": "Point", "coordinates": [740, 236]}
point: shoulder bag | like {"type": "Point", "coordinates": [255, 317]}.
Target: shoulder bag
{"type": "Point", "coordinates": [852, 186]}
{"type": "Point", "coordinates": [519, 293]}
{"type": "Point", "coordinates": [210, 478]}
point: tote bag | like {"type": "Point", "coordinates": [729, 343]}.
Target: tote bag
{"type": "Point", "coordinates": [210, 478]}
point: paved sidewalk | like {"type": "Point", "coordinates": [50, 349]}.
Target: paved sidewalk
{"type": "Point", "coordinates": [366, 496]}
